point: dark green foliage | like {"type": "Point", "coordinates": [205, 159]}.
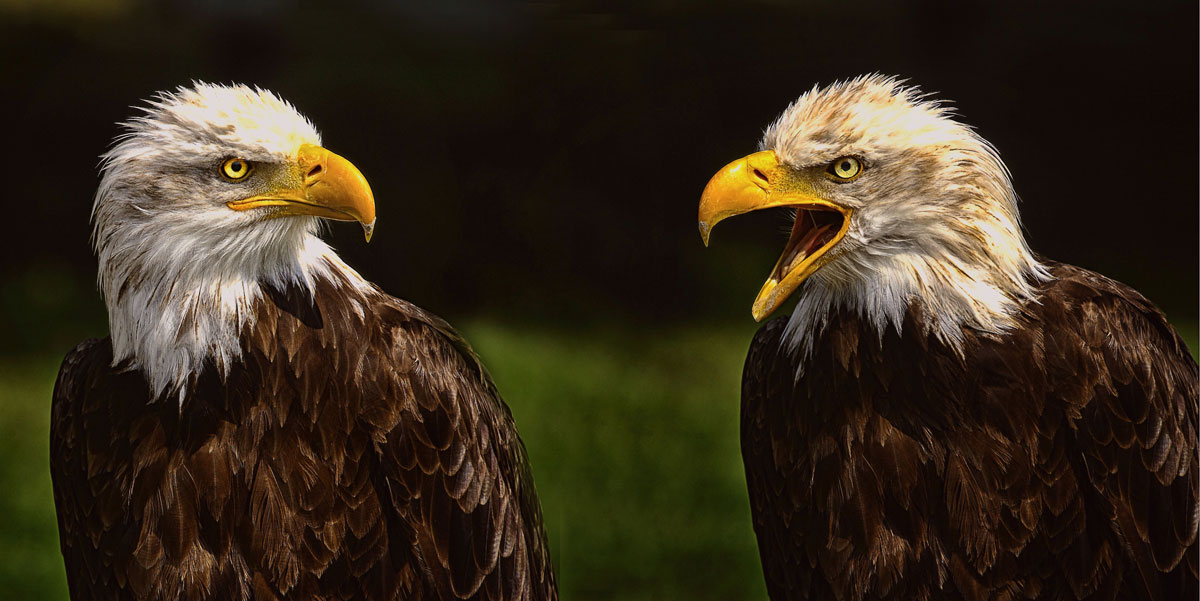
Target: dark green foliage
{"type": "Point", "coordinates": [632, 436]}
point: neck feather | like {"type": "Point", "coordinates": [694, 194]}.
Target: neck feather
{"type": "Point", "coordinates": [172, 319]}
{"type": "Point", "coordinates": [954, 294]}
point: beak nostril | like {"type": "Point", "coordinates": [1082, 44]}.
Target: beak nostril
{"type": "Point", "coordinates": [760, 175]}
{"type": "Point", "coordinates": [316, 170]}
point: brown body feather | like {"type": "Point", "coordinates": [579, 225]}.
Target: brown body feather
{"type": "Point", "coordinates": [352, 454]}
{"type": "Point", "coordinates": [1057, 462]}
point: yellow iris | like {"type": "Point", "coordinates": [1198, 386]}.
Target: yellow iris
{"type": "Point", "coordinates": [235, 169]}
{"type": "Point", "coordinates": [845, 168]}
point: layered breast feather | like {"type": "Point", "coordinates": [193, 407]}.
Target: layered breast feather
{"type": "Point", "coordinates": [358, 451]}
{"type": "Point", "coordinates": [1058, 461]}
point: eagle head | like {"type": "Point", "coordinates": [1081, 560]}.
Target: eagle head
{"type": "Point", "coordinates": [213, 192]}
{"type": "Point", "coordinates": [895, 202]}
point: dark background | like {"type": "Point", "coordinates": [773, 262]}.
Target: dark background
{"type": "Point", "coordinates": [543, 161]}
{"type": "Point", "coordinates": [537, 168]}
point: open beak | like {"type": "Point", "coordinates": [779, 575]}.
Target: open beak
{"type": "Point", "coordinates": [757, 182]}
{"type": "Point", "coordinates": [329, 186]}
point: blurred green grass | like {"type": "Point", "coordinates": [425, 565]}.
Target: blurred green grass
{"type": "Point", "coordinates": [30, 564]}
{"type": "Point", "coordinates": [634, 443]}
{"type": "Point", "coordinates": [633, 437]}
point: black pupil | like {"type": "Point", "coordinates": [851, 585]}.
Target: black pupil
{"type": "Point", "coordinates": [845, 165]}
{"type": "Point", "coordinates": [235, 167]}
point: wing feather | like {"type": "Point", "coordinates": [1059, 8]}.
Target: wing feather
{"type": "Point", "coordinates": [469, 495]}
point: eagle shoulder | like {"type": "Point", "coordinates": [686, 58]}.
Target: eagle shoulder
{"type": "Point", "coordinates": [84, 527]}
{"type": "Point", "coordinates": [1131, 403]}
{"type": "Point", "coordinates": [456, 469]}
{"type": "Point", "coordinates": [766, 382]}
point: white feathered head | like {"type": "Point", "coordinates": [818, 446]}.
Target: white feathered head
{"type": "Point", "coordinates": [895, 201]}
{"type": "Point", "coordinates": [212, 192]}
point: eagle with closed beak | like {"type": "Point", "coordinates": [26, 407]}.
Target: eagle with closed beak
{"type": "Point", "coordinates": [263, 423]}
{"type": "Point", "coordinates": [945, 414]}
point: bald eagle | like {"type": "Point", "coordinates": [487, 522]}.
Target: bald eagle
{"type": "Point", "coordinates": [946, 415]}
{"type": "Point", "coordinates": [263, 423]}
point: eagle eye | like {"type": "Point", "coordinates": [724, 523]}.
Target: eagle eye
{"type": "Point", "coordinates": [845, 169]}
{"type": "Point", "coordinates": [235, 169]}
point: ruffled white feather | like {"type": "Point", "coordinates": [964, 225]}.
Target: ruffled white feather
{"type": "Point", "coordinates": [179, 270]}
{"type": "Point", "coordinates": [935, 216]}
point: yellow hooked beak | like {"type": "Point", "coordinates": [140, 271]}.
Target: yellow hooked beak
{"type": "Point", "coordinates": [759, 181]}
{"type": "Point", "coordinates": [324, 185]}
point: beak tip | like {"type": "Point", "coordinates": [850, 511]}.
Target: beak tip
{"type": "Point", "coordinates": [764, 305]}
{"type": "Point", "coordinates": [368, 230]}
{"type": "Point", "coordinates": [705, 230]}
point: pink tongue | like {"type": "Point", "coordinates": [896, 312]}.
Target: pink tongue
{"type": "Point", "coordinates": [803, 249]}
{"type": "Point", "coordinates": [812, 236]}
